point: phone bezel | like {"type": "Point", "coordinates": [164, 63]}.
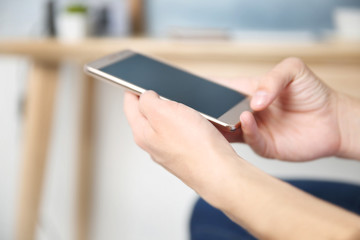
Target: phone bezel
{"type": "Point", "coordinates": [229, 121]}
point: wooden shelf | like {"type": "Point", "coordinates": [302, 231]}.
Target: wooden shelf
{"type": "Point", "coordinates": [51, 49]}
{"type": "Point", "coordinates": [337, 63]}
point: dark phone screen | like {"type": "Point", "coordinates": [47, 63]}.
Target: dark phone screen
{"type": "Point", "coordinates": [200, 94]}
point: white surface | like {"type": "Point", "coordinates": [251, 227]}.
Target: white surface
{"type": "Point", "coordinates": [10, 88]}
{"type": "Point", "coordinates": [57, 216]}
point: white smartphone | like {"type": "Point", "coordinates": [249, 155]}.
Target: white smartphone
{"type": "Point", "coordinates": [138, 73]}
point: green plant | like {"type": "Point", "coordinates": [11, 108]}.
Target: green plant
{"type": "Point", "coordinates": [76, 8]}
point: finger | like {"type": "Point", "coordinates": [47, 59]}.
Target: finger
{"type": "Point", "coordinates": [251, 133]}
{"type": "Point", "coordinates": [150, 105]}
{"type": "Point", "coordinates": [131, 109]}
{"type": "Point", "coordinates": [156, 110]}
{"type": "Point", "coordinates": [164, 114]}
{"type": "Point", "coordinates": [274, 82]}
{"type": "Point", "coordinates": [142, 131]}
{"type": "Point", "coordinates": [233, 136]}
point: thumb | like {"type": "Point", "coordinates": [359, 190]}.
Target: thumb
{"type": "Point", "coordinates": [274, 82]}
{"type": "Point", "coordinates": [252, 135]}
{"type": "Point", "coordinates": [149, 105]}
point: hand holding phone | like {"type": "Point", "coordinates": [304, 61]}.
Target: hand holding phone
{"type": "Point", "coordinates": [138, 73]}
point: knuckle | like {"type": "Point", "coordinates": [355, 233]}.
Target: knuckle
{"type": "Point", "coordinates": [175, 106]}
{"type": "Point", "coordinates": [145, 138]}
{"type": "Point", "coordinates": [295, 62]}
{"type": "Point", "coordinates": [139, 140]}
{"type": "Point", "coordinates": [143, 98]}
{"type": "Point", "coordinates": [299, 68]}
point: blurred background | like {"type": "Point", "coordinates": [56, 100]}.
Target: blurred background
{"type": "Point", "coordinates": [130, 197]}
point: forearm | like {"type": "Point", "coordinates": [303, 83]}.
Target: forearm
{"type": "Point", "coordinates": [272, 209]}
{"type": "Point", "coordinates": [349, 125]}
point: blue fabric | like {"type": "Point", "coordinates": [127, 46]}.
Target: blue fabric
{"type": "Point", "coordinates": [208, 223]}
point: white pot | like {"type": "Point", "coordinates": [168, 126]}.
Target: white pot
{"type": "Point", "coordinates": [72, 27]}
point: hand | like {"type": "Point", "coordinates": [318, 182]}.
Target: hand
{"type": "Point", "coordinates": [187, 145]}
{"type": "Point", "coordinates": [295, 114]}
{"type": "Point", "coordinates": [182, 141]}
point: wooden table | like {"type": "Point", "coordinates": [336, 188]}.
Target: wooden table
{"type": "Point", "coordinates": [336, 63]}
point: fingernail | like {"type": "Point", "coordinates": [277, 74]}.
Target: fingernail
{"type": "Point", "coordinates": [260, 98]}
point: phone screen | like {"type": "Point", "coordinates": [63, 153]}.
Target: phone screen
{"type": "Point", "coordinates": [174, 84]}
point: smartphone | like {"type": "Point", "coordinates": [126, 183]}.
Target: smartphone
{"type": "Point", "coordinates": [138, 73]}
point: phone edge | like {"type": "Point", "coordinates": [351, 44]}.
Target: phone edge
{"type": "Point", "coordinates": [90, 70]}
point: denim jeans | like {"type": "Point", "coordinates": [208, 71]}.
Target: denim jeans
{"type": "Point", "coordinates": [208, 223]}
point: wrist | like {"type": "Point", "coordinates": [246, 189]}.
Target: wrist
{"type": "Point", "coordinates": [348, 114]}
{"type": "Point", "coordinates": [272, 209]}
{"type": "Point", "coordinates": [219, 187]}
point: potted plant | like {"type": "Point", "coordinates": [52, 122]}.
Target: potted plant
{"type": "Point", "coordinates": [72, 23]}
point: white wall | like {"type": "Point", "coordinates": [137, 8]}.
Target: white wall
{"type": "Point", "coordinates": [9, 141]}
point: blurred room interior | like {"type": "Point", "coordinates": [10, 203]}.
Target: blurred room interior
{"type": "Point", "coordinates": [69, 166]}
